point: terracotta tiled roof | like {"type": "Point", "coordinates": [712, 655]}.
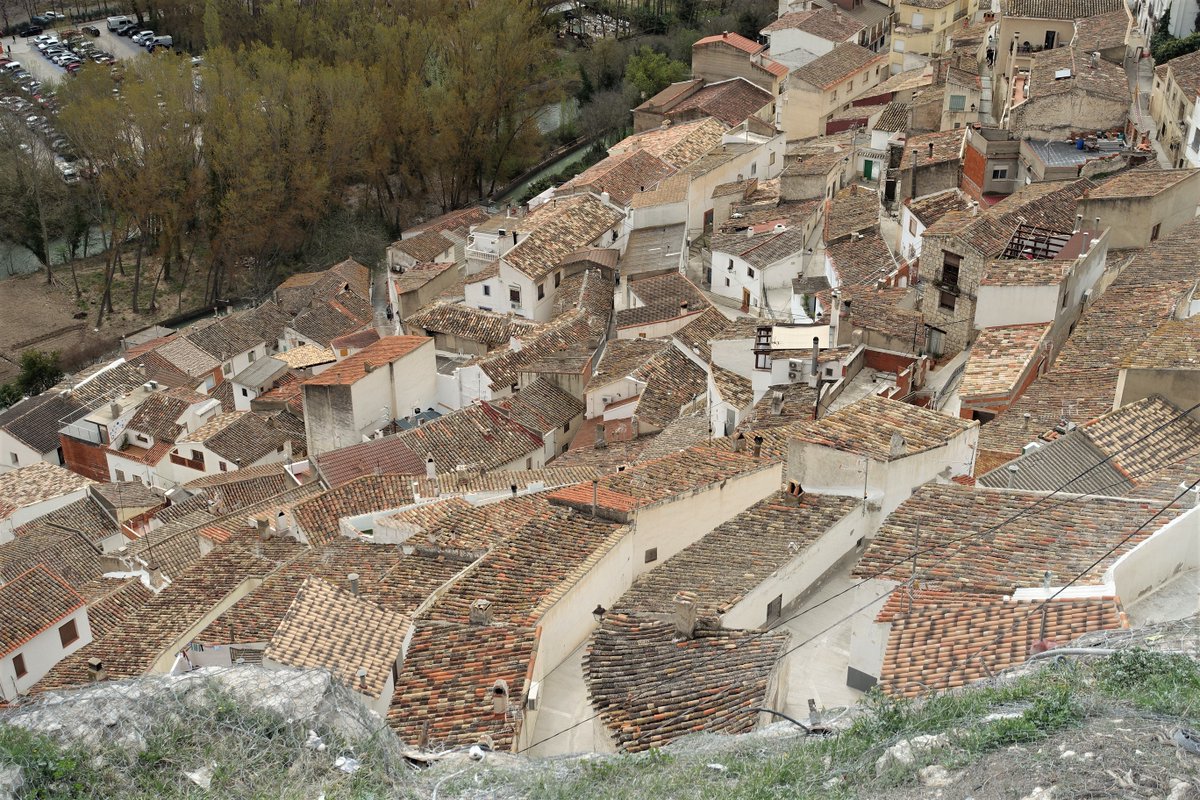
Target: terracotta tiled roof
{"type": "Point", "coordinates": [861, 262]}
{"type": "Point", "coordinates": [244, 487]}
{"type": "Point", "coordinates": [356, 340]}
{"type": "Point", "coordinates": [385, 351]}
{"type": "Point", "coordinates": [852, 210]}
{"type": "Point", "coordinates": [947, 146]}
{"type": "Point", "coordinates": [116, 600]}
{"type": "Point", "coordinates": [245, 438]}
{"type": "Point", "coordinates": [458, 220]}
{"type": "Point", "coordinates": [1058, 9]}
{"type": "Point", "coordinates": [425, 246]}
{"type": "Point", "coordinates": [127, 494]}
{"type": "Point", "coordinates": [730, 101]}
{"type": "Point", "coordinates": [158, 368]}
{"type": "Point", "coordinates": [226, 337]}
{"type": "Point", "coordinates": [904, 600]}
{"type": "Point", "coordinates": [306, 355]}
{"type": "Point", "coordinates": [700, 330]}
{"type": "Point", "coordinates": [27, 486]}
{"type": "Point", "coordinates": [1174, 345]}
{"type": "Point", "coordinates": [999, 358]}
{"type": "Point", "coordinates": [318, 518]}
{"type": "Point", "coordinates": [672, 381]}
{"type": "Point", "coordinates": [879, 310]}
{"type": "Point", "coordinates": [829, 24]}
{"type": "Point", "coordinates": [528, 570]}
{"type": "Point", "coordinates": [677, 144]}
{"type": "Point", "coordinates": [568, 225]}
{"type": "Point", "coordinates": [1024, 272]}
{"type": "Point", "coordinates": [330, 628]}
{"type": "Point", "coordinates": [1140, 183]}
{"type": "Point", "coordinates": [33, 602]}
{"type": "Point", "coordinates": [724, 566]}
{"type": "Point", "coordinates": [1063, 538]}
{"type": "Point", "coordinates": [622, 175]}
{"type": "Point", "coordinates": [486, 327]}
{"type": "Point", "coordinates": [543, 406]}
{"type": "Point", "coordinates": [843, 61]}
{"type": "Point", "coordinates": [662, 297]}
{"type": "Point", "coordinates": [651, 687]}
{"type": "Point", "coordinates": [132, 649]}
{"type": "Point", "coordinates": [416, 277]}
{"type": "Point", "coordinates": [939, 647]}
{"type": "Point", "coordinates": [1102, 31]}
{"type": "Point", "coordinates": [67, 553]}
{"type": "Point", "coordinates": [84, 516]}
{"type": "Point", "coordinates": [783, 405]}
{"type": "Point", "coordinates": [649, 482]}
{"type": "Point", "coordinates": [158, 415]}
{"type": "Point", "coordinates": [1105, 78]}
{"type": "Point", "coordinates": [1073, 395]}
{"type": "Point", "coordinates": [475, 435]}
{"type": "Point", "coordinates": [734, 40]}
{"type": "Point", "coordinates": [893, 119]}
{"type": "Point", "coordinates": [867, 426]}
{"type": "Point", "coordinates": [731, 387]}
{"type": "Point", "coordinates": [386, 456]}
{"type": "Point", "coordinates": [443, 695]}
{"type": "Point", "coordinates": [186, 356]}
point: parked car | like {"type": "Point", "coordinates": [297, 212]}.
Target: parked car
{"type": "Point", "coordinates": [119, 21]}
{"type": "Point", "coordinates": [91, 30]}
{"type": "Point", "coordinates": [143, 37]}
{"type": "Point", "coordinates": [53, 15]}
{"type": "Point", "coordinates": [127, 29]}
{"type": "Point", "coordinates": [31, 30]}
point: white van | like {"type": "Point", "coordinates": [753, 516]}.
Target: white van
{"type": "Point", "coordinates": [116, 22]}
{"type": "Point", "coordinates": [11, 66]}
{"type": "Point", "coordinates": [161, 41]}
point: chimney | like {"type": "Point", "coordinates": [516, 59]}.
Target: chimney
{"type": "Point", "coordinates": [353, 579]}
{"type": "Point", "coordinates": [595, 496]}
{"type": "Point", "coordinates": [685, 614]}
{"type": "Point", "coordinates": [974, 208]}
{"type": "Point", "coordinates": [368, 367]}
{"type": "Point", "coordinates": [481, 612]}
{"type": "Point", "coordinates": [500, 696]}
{"type": "Point", "coordinates": [816, 353]}
{"type": "Point", "coordinates": [758, 443]}
{"type": "Point", "coordinates": [514, 238]}
{"type": "Point", "coordinates": [361, 673]}
{"type": "Point", "coordinates": [96, 671]}
{"type": "Point", "coordinates": [931, 149]}
{"type": "Point", "coordinates": [897, 447]}
{"type": "Point", "coordinates": [600, 443]}
{"type": "Point", "coordinates": [739, 442]}
{"type": "Point", "coordinates": [1078, 223]}
{"type": "Point", "coordinates": [264, 529]}
{"type": "Point", "coordinates": [115, 408]}
{"type": "Point", "coordinates": [683, 305]}
{"type": "Point", "coordinates": [430, 467]}
{"type": "Point", "coordinates": [605, 197]}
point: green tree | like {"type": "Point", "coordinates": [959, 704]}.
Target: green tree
{"type": "Point", "coordinates": [10, 394]}
{"type": "Point", "coordinates": [651, 72]}
{"type": "Point", "coordinates": [39, 371]}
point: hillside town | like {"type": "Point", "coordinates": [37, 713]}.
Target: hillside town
{"type": "Point", "coordinates": [868, 362]}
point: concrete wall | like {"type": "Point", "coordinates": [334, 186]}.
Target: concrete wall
{"type": "Point", "coordinates": [719, 62]}
{"type": "Point", "coordinates": [930, 178]}
{"type": "Point", "coordinates": [41, 653]}
{"type": "Point", "coordinates": [1172, 550]}
{"type": "Point", "coordinates": [1001, 306]}
{"type": "Point", "coordinates": [765, 161]}
{"type": "Point", "coordinates": [1181, 386]}
{"type": "Point", "coordinates": [31, 512]}
{"type": "Point", "coordinates": [657, 216]}
{"type": "Point", "coordinates": [1058, 116]}
{"type": "Point", "coordinates": [682, 520]}
{"type": "Point", "coordinates": [1131, 221]}
{"type": "Point", "coordinates": [795, 577]}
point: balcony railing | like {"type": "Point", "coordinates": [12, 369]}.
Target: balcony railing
{"type": "Point", "coordinates": [480, 255]}
{"type": "Point", "coordinates": [191, 463]}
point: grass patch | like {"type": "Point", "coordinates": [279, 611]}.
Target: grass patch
{"type": "Point", "coordinates": [1164, 683]}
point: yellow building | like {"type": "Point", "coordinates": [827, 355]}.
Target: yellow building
{"type": "Point", "coordinates": [923, 29]}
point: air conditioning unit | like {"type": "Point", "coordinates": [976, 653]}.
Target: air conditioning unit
{"type": "Point", "coordinates": [1029, 448]}
{"type": "Point", "coordinates": [793, 375]}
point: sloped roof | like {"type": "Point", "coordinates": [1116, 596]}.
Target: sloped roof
{"type": "Point", "coordinates": [33, 602]}
{"type": "Point", "coordinates": [678, 144]}
{"type": "Point", "coordinates": [487, 327]}
{"type": "Point", "coordinates": [384, 351]}
{"type": "Point", "coordinates": [425, 246]}
{"type": "Point", "coordinates": [543, 406]}
{"type": "Point", "coordinates": [622, 175]}
{"type": "Point", "coordinates": [1058, 9]}
{"type": "Point", "coordinates": [999, 358]}
{"type": "Point", "coordinates": [840, 63]}
{"type": "Point", "coordinates": [329, 628]}
{"type": "Point", "coordinates": [663, 297]}
{"type": "Point", "coordinates": [476, 435]}
{"type": "Point", "coordinates": [26, 486]}
{"type": "Point", "coordinates": [568, 225]}
{"type": "Point", "coordinates": [867, 427]}
{"type": "Point", "coordinates": [730, 101]}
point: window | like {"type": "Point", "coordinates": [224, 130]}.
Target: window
{"type": "Point", "coordinates": [1064, 300]}
{"type": "Point", "coordinates": [120, 476]}
{"type": "Point", "coordinates": [898, 45]}
{"type": "Point", "coordinates": [754, 168]}
{"type": "Point", "coordinates": [514, 294]}
{"type": "Point", "coordinates": [67, 634]}
{"type": "Point", "coordinates": [227, 369]}
{"type": "Point", "coordinates": [529, 463]}
{"type": "Point", "coordinates": [19, 665]}
{"type": "Point", "coordinates": [557, 278]}
{"type": "Point", "coordinates": [566, 426]}
{"type": "Point", "coordinates": [946, 300]}
{"type": "Point", "coordinates": [541, 291]}
{"type": "Point", "coordinates": [16, 460]}
{"type": "Point", "coordinates": [950, 264]}
{"type": "Point", "coordinates": [245, 392]}
{"type": "Point", "coordinates": [652, 555]}
{"type": "Point", "coordinates": [727, 281]}
{"type": "Point", "coordinates": [251, 356]}
{"type": "Point", "coordinates": [487, 290]}
{"type": "Point", "coordinates": [749, 272]}
{"type": "Point", "coordinates": [731, 263]}
{"type": "Point", "coordinates": [775, 609]}
{"type": "Point", "coordinates": [912, 225]}
{"type": "Point", "coordinates": [197, 455]}
{"type": "Point", "coordinates": [771, 158]}
{"type": "Point", "coordinates": [1155, 231]}
{"type": "Point", "coordinates": [221, 465]}
{"type": "Point", "coordinates": [614, 235]}
{"type": "Point", "coordinates": [1196, 139]}
{"type": "Point", "coordinates": [1000, 173]}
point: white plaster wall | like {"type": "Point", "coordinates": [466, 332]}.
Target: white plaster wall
{"type": "Point", "coordinates": [41, 653]}
{"type": "Point", "coordinates": [735, 355]}
{"type": "Point", "coordinates": [674, 524]}
{"type": "Point", "coordinates": [614, 391]}
{"type": "Point", "coordinates": [1173, 549]}
{"type": "Point", "coordinates": [31, 512]}
{"type": "Point", "coordinates": [911, 230]}
{"type": "Point", "coordinates": [26, 455]}
{"type": "Point", "coordinates": [658, 216]}
{"type": "Point", "coordinates": [998, 306]}
{"type": "Point", "coordinates": [795, 577]}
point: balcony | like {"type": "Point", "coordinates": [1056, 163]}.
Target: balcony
{"type": "Point", "coordinates": [481, 255]}
{"type": "Point", "coordinates": [191, 463]}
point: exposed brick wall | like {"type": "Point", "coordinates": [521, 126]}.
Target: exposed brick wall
{"type": "Point", "coordinates": [84, 458]}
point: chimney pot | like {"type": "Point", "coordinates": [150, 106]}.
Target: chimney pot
{"type": "Point", "coordinates": [96, 670]}
{"type": "Point", "coordinates": [595, 495]}
{"type": "Point", "coordinates": [481, 612]}
{"type": "Point", "coordinates": [430, 467]}
{"type": "Point", "coordinates": [685, 614]}
{"type": "Point", "coordinates": [758, 443]}
{"type": "Point", "coordinates": [362, 677]}
{"type": "Point", "coordinates": [353, 579]}
{"type": "Point", "coordinates": [500, 696]}
{"type": "Point", "coordinates": [739, 442]}
{"type": "Point", "coordinates": [368, 367]}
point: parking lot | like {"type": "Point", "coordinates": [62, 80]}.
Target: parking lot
{"type": "Point", "coordinates": [24, 51]}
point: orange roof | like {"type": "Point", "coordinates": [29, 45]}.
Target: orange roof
{"type": "Point", "coordinates": [734, 40]}
{"type": "Point", "coordinates": [385, 351]}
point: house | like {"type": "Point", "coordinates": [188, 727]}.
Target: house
{"type": "Point", "coordinates": [477, 438]}
{"type": "Point", "coordinates": [42, 621]}
{"type": "Point", "coordinates": [419, 285]}
{"type": "Point", "coordinates": [658, 306]}
{"type": "Point", "coordinates": [880, 449]}
{"type": "Point", "coordinates": [385, 456]}
{"type": "Point", "coordinates": [1164, 364]}
{"type": "Point", "coordinates": [390, 379]}
{"type": "Point", "coordinates": [923, 28]}
{"type": "Point", "coordinates": [825, 85]}
{"type": "Point", "coordinates": [329, 628]}
{"type": "Point", "coordinates": [255, 380]}
{"type": "Point", "coordinates": [141, 449]}
{"type": "Point", "coordinates": [203, 371]}
{"type": "Point", "coordinates": [740, 157]}
{"type": "Point", "coordinates": [930, 164]}
{"type": "Point", "coordinates": [798, 37]}
{"type": "Point", "coordinates": [463, 330]}
{"type": "Point", "coordinates": [1107, 34]}
{"type": "Point", "coordinates": [27, 493]}
{"type": "Point", "coordinates": [768, 254]}
{"type": "Point", "coordinates": [326, 320]}
{"type": "Point", "coordinates": [817, 174]}
{"type": "Point", "coordinates": [235, 341]}
{"type": "Point", "coordinates": [300, 290]}
{"type": "Point", "coordinates": [1039, 220]}
{"type": "Point", "coordinates": [989, 162]}
{"type": "Point", "coordinates": [1029, 27]}
{"type": "Point", "coordinates": [29, 430]}
{"type": "Point", "coordinates": [655, 251]}
{"type": "Point", "coordinates": [678, 145]}
{"type": "Point", "coordinates": [229, 442]}
{"type": "Point", "coordinates": [1139, 206]}
{"type": "Point", "coordinates": [427, 247]}
{"type": "Point", "coordinates": [1068, 93]}
{"type": "Point", "coordinates": [732, 101]}
{"type": "Point", "coordinates": [546, 409]}
{"type": "Point", "coordinates": [918, 214]}
{"type": "Point", "coordinates": [1001, 364]}
{"type": "Point", "coordinates": [731, 55]}
{"type": "Point", "coordinates": [530, 267]}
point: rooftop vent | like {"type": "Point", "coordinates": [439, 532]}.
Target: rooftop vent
{"type": "Point", "coordinates": [481, 612]}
